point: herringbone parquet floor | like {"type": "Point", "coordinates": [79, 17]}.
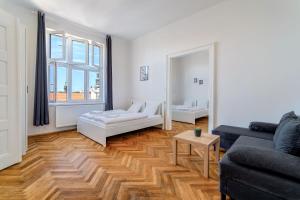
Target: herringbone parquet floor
{"type": "Point", "coordinates": [135, 165]}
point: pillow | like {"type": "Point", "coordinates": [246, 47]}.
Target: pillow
{"type": "Point", "coordinates": [286, 117]}
{"type": "Point", "coordinates": [151, 108]}
{"type": "Point", "coordinates": [135, 107]}
{"type": "Point", "coordinates": [263, 127]}
{"type": "Point", "coordinates": [202, 103]}
{"type": "Point", "coordinates": [189, 103]}
{"type": "Point", "coordinates": [288, 137]}
{"type": "Point", "coordinates": [289, 115]}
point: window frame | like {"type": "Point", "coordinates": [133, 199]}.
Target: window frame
{"type": "Point", "coordinates": [48, 81]}
{"type": "Point", "coordinates": [101, 86]}
{"type": "Point", "coordinates": [71, 51]}
{"type": "Point", "coordinates": [67, 61]}
{"type": "Point", "coordinates": [65, 65]}
{"type": "Point", "coordinates": [101, 49]}
{"type": "Point", "coordinates": [97, 68]}
{"type": "Point", "coordinates": [76, 67]}
{"type": "Point", "coordinates": [48, 44]}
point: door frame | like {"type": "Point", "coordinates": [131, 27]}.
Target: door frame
{"type": "Point", "coordinates": [212, 101]}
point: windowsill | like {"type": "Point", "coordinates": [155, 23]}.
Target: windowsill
{"type": "Point", "coordinates": [75, 103]}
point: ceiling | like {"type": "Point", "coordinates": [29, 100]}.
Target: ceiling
{"type": "Point", "coordinates": [125, 18]}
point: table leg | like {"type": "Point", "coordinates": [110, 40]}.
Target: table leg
{"type": "Point", "coordinates": [206, 162]}
{"type": "Point", "coordinates": [190, 149]}
{"type": "Point", "coordinates": [217, 151]}
{"type": "Point", "coordinates": [175, 143]}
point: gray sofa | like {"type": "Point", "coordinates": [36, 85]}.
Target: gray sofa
{"type": "Point", "coordinates": [252, 169]}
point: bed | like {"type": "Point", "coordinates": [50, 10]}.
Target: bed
{"type": "Point", "coordinates": [102, 125]}
{"type": "Point", "coordinates": [188, 114]}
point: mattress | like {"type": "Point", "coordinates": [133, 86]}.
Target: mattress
{"type": "Point", "coordinates": [120, 124]}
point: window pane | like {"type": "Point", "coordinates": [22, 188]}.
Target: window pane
{"type": "Point", "coordinates": [56, 44]}
{"type": "Point", "coordinates": [90, 54]}
{"type": "Point", "coordinates": [51, 82]}
{"type": "Point", "coordinates": [77, 85]}
{"type": "Point", "coordinates": [97, 52]}
{"type": "Point", "coordinates": [94, 85]}
{"type": "Point", "coordinates": [62, 84]}
{"type": "Point", "coordinates": [78, 51]}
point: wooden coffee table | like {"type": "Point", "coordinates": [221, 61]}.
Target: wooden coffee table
{"type": "Point", "coordinates": [202, 143]}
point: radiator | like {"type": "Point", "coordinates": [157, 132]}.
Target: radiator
{"type": "Point", "coordinates": [67, 115]}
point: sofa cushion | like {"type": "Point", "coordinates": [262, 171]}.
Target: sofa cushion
{"type": "Point", "coordinates": [288, 137]}
{"type": "Point", "coordinates": [263, 127]}
{"type": "Point", "coordinates": [266, 159]}
{"type": "Point", "coordinates": [254, 142]}
{"type": "Point", "coordinates": [259, 180]}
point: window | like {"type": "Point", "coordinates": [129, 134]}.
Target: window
{"type": "Point", "coordinates": [61, 83]}
{"type": "Point", "coordinates": [51, 82]}
{"type": "Point", "coordinates": [57, 46]}
{"type": "Point", "coordinates": [94, 85]}
{"type": "Point", "coordinates": [77, 85]}
{"type": "Point", "coordinates": [79, 51]}
{"type": "Point", "coordinates": [96, 55]}
{"type": "Point", "coordinates": [75, 69]}
{"type": "Point", "coordinates": [90, 54]}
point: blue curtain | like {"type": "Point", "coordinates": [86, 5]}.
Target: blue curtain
{"type": "Point", "coordinates": [109, 89]}
{"type": "Point", "coordinates": [41, 110]}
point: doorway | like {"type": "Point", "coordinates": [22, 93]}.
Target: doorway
{"type": "Point", "coordinates": [189, 99]}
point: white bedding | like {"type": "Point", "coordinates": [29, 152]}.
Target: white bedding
{"type": "Point", "coordinates": [121, 124]}
{"type": "Point", "coordinates": [108, 111]}
{"type": "Point", "coordinates": [106, 116]}
{"type": "Point", "coordinates": [116, 118]}
{"type": "Point", "coordinates": [94, 113]}
{"type": "Point", "coordinates": [113, 117]}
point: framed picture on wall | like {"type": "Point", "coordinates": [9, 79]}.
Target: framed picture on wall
{"type": "Point", "coordinates": [144, 73]}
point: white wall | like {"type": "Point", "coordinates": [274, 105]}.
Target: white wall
{"type": "Point", "coordinates": [257, 56]}
{"type": "Point", "coordinates": [184, 70]}
{"type": "Point", "coordinates": [120, 62]}
{"type": "Point", "coordinates": [177, 82]}
{"type": "Point", "coordinates": [119, 51]}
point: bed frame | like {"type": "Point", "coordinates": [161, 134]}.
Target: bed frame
{"type": "Point", "coordinates": [99, 134]}
{"type": "Point", "coordinates": [188, 116]}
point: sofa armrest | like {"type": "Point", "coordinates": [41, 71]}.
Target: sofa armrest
{"type": "Point", "coordinates": [266, 160]}
{"type": "Point", "coordinates": [263, 127]}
